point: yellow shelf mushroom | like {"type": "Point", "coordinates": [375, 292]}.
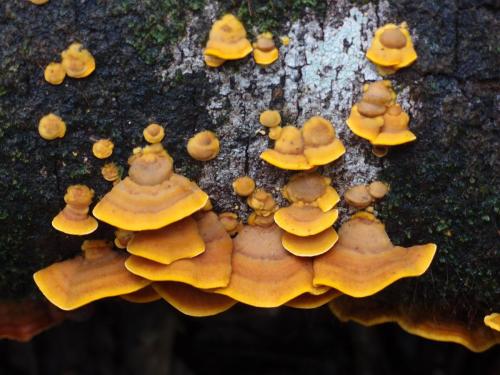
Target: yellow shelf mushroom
{"type": "Point", "coordinates": [203, 146]}
{"type": "Point", "coordinates": [51, 127]}
{"type": "Point", "coordinates": [310, 246]}
{"type": "Point", "coordinates": [264, 49]}
{"type": "Point", "coordinates": [304, 220]}
{"type": "Point", "coordinates": [77, 61]}
{"type": "Point", "coordinates": [54, 73]}
{"type": "Point", "coordinates": [312, 301]}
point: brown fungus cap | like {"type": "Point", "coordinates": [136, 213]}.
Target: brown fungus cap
{"type": "Point", "coordinates": [77, 61]}
{"type": "Point", "coordinates": [230, 222]}
{"type": "Point", "coordinates": [244, 186]}
{"type": "Point", "coordinates": [74, 218]}
{"type": "Point", "coordinates": [288, 151]}
{"type": "Point", "coordinates": [228, 39]}
{"type": "Point", "coordinates": [311, 245]}
{"type": "Point", "coordinates": [264, 49]}
{"type": "Point", "coordinates": [203, 146]}
{"type": "Point", "coordinates": [51, 127]}
{"type": "Point", "coordinates": [192, 301]}
{"type": "Point", "coordinates": [304, 220]}
{"type": "Point", "coordinates": [54, 73]}
{"type": "Point", "coordinates": [358, 196]}
{"type": "Point", "coordinates": [98, 274]}
{"type": "Point", "coordinates": [168, 244]}
{"type": "Point", "coordinates": [152, 196]}
{"type": "Point", "coordinates": [260, 220]}
{"type": "Point", "coordinates": [364, 260]}
{"type": "Point", "coordinates": [262, 202]}
{"type": "Point", "coordinates": [264, 274]}
{"type": "Point", "coordinates": [313, 189]}
{"type": "Point", "coordinates": [380, 151]}
{"type": "Point", "coordinates": [210, 269]}
{"type": "Point", "coordinates": [153, 133]}
{"type": "Point", "coordinates": [321, 145]}
{"type": "Point", "coordinates": [378, 189]}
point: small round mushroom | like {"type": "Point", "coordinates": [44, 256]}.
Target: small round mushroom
{"type": "Point", "coordinates": [54, 73]}
{"type": "Point", "coordinates": [358, 196]}
{"type": "Point", "coordinates": [203, 146]}
{"type": "Point", "coordinates": [77, 61]}
{"type": "Point", "coordinates": [231, 223]}
{"type": "Point", "coordinates": [275, 133]}
{"type": "Point", "coordinates": [243, 186]}
{"type": "Point", "coordinates": [110, 172]}
{"type": "Point", "coordinates": [321, 145]}
{"type": "Point", "coordinates": [380, 151]}
{"type": "Point", "coordinates": [265, 51]}
{"type": "Point", "coordinates": [51, 127]}
{"type": "Point", "coordinates": [154, 133]}
{"type": "Point", "coordinates": [270, 118]}
{"type": "Point", "coordinates": [378, 189]}
{"type": "Point", "coordinates": [262, 202]}
{"type": "Point", "coordinates": [103, 148]}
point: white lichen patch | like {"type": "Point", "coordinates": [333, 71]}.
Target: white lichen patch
{"type": "Point", "coordinates": [321, 72]}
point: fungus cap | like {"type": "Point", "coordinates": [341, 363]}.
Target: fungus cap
{"type": "Point", "coordinates": [144, 295]}
{"type": "Point", "coordinates": [364, 127]}
{"type": "Point", "coordinates": [212, 61]}
{"type": "Point", "coordinates": [54, 73]}
{"type": "Point", "coordinates": [275, 133]}
{"type": "Point", "coordinates": [304, 220]}
{"type": "Point", "coordinates": [230, 222]}
{"type": "Point", "coordinates": [228, 39]}
{"type": "Point", "coordinates": [364, 261]}
{"type": "Point", "coordinates": [378, 189]}
{"type": "Point", "coordinates": [313, 301]}
{"type": "Point", "coordinates": [288, 152]}
{"type": "Point", "coordinates": [493, 321]}
{"type": "Point", "coordinates": [122, 238]}
{"type": "Point", "coordinates": [265, 51]}
{"type": "Point", "coordinates": [358, 196]}
{"type": "Point", "coordinates": [311, 188]}
{"type": "Point", "coordinates": [154, 133]}
{"type": "Point", "coordinates": [311, 245]}
{"type": "Point", "coordinates": [99, 273]}
{"type": "Point", "coordinates": [262, 202]}
{"type": "Point", "coordinates": [395, 129]}
{"type": "Point", "coordinates": [321, 144]}
{"type": "Point", "coordinates": [203, 146]}
{"type": "Point", "coordinates": [77, 61]}
{"type": "Point", "coordinates": [244, 186]}
{"type": "Point", "coordinates": [260, 220]}
{"type": "Point", "coordinates": [380, 151]}
{"type": "Point", "coordinates": [39, 2]}
{"type": "Point", "coordinates": [51, 127]}
{"type": "Point", "coordinates": [103, 148]}
{"type": "Point", "coordinates": [110, 172]}
{"type": "Point", "coordinates": [270, 118]}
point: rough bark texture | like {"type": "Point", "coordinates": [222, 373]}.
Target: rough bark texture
{"type": "Point", "coordinates": [444, 188]}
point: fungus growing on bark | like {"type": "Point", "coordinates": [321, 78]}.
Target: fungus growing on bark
{"type": "Point", "coordinates": [22, 320]}
{"type": "Point", "coordinates": [77, 61]}
{"type": "Point", "coordinates": [192, 301]}
{"type": "Point", "coordinates": [264, 49]}
{"type": "Point", "coordinates": [39, 2]}
{"type": "Point", "coordinates": [439, 327]}
{"type": "Point", "coordinates": [275, 133]}
{"type": "Point", "coordinates": [259, 220]}
{"type": "Point", "coordinates": [99, 273]}
{"type": "Point", "coordinates": [168, 244]}
{"type": "Point", "coordinates": [270, 119]}
{"type": "Point", "coordinates": [152, 196]}
{"type": "Point", "coordinates": [312, 189]}
{"type": "Point", "coordinates": [380, 151]}
{"type": "Point", "coordinates": [395, 129]}
{"type": "Point", "coordinates": [122, 238]}
{"type": "Point", "coordinates": [264, 273]}
{"type": "Point", "coordinates": [392, 48]}
{"type": "Point", "coordinates": [54, 73]}
{"type": "Point", "coordinates": [51, 127]}
{"type": "Point", "coordinates": [312, 301]}
{"type": "Point", "coordinates": [493, 321]}
{"type": "Point", "coordinates": [230, 222]}
{"type": "Point", "coordinates": [212, 61]}
{"type": "Point", "coordinates": [304, 220]}
{"type": "Point", "coordinates": [203, 146]}
{"type": "Point", "coordinates": [321, 145]}
{"type": "Point", "coordinates": [103, 148]}
{"type": "Point", "coordinates": [262, 202]}
{"type": "Point", "coordinates": [311, 245]}
{"type": "Point", "coordinates": [358, 196]}
{"type": "Point", "coordinates": [154, 133]}
{"type": "Point", "coordinates": [364, 260]}
{"type": "Point", "coordinates": [210, 269]}
{"type": "Point", "coordinates": [288, 151]}
{"type": "Point", "coordinates": [243, 186]}
{"type": "Point", "coordinates": [378, 189]}
{"type": "Point", "coordinates": [227, 41]}
{"type": "Point", "coordinates": [110, 172]}
{"type": "Point", "coordinates": [74, 218]}
{"type": "Point", "coordinates": [144, 295]}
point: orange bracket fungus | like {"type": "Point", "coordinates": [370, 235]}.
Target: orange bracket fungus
{"type": "Point", "coordinates": [230, 222]}
{"type": "Point", "coordinates": [203, 146]}
{"type": "Point", "coordinates": [192, 301]}
{"type": "Point", "coordinates": [312, 189]}
{"type": "Point", "coordinates": [304, 220]}
{"type": "Point", "coordinates": [361, 196]}
{"type": "Point", "coordinates": [288, 151]}
{"type": "Point", "coordinates": [227, 41]}
{"type": "Point", "coordinates": [168, 244]}
{"type": "Point", "coordinates": [312, 301]}
{"type": "Point", "coordinates": [103, 148]}
{"type": "Point", "coordinates": [144, 295]}
{"type": "Point", "coordinates": [51, 127]}
{"type": "Point", "coordinates": [262, 202]}
{"type": "Point", "coordinates": [122, 238]}
{"type": "Point", "coordinates": [54, 73]}
{"type": "Point", "coordinates": [152, 196]}
{"type": "Point", "coordinates": [391, 48]}
{"type": "Point", "coordinates": [210, 269]}
{"type": "Point", "coordinates": [264, 274]}
{"type": "Point", "coordinates": [77, 61]}
{"type": "Point", "coordinates": [395, 129]}
{"type": "Point", "coordinates": [370, 311]}
{"type": "Point", "coordinates": [270, 119]}
{"type": "Point", "coordinates": [244, 186]}
{"type": "Point", "coordinates": [98, 274]}
{"type": "Point", "coordinates": [154, 133]}
{"type": "Point", "coordinates": [264, 49]}
{"type": "Point", "coordinates": [74, 217]}
{"type": "Point", "coordinates": [311, 245]}
{"type": "Point", "coordinates": [493, 321]}
{"type": "Point", "coordinates": [110, 172]}
{"type": "Point", "coordinates": [364, 261]}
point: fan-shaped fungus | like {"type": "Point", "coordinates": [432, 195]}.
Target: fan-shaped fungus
{"type": "Point", "coordinates": [51, 127]}
{"type": "Point", "coordinates": [395, 129]}
{"type": "Point", "coordinates": [265, 51]}
{"type": "Point", "coordinates": [262, 202]}
{"type": "Point", "coordinates": [154, 133]}
{"type": "Point", "coordinates": [244, 186]}
{"type": "Point", "coordinates": [99, 273]}
{"type": "Point", "coordinates": [168, 244]}
{"type": "Point", "coordinates": [311, 245]}
{"type": "Point", "coordinates": [288, 152]}
{"type": "Point", "coordinates": [304, 220]}
{"type": "Point", "coordinates": [312, 189]}
{"type": "Point", "coordinates": [203, 146]}
{"type": "Point", "coordinates": [103, 148]}
{"type": "Point", "coordinates": [152, 196]}
{"type": "Point", "coordinates": [392, 48]}
{"type": "Point", "coordinates": [264, 273]}
{"type": "Point", "coordinates": [227, 40]}
{"type": "Point", "coordinates": [212, 61]}
{"type": "Point", "coordinates": [144, 295]}
{"type": "Point", "coordinates": [378, 189]}
{"type": "Point", "coordinates": [358, 196]}
{"type": "Point", "coordinates": [270, 119]}
{"type": "Point", "coordinates": [210, 269]}
{"type": "Point", "coordinates": [192, 301]}
{"type": "Point", "coordinates": [493, 321]}
{"type": "Point", "coordinates": [122, 238]}
{"type": "Point", "coordinates": [110, 172]}
{"type": "Point", "coordinates": [364, 261]}
{"type": "Point", "coordinates": [77, 61]}
{"type": "Point", "coordinates": [74, 217]}
{"type": "Point", "coordinates": [321, 146]}
{"type": "Point", "coordinates": [54, 73]}
{"type": "Point", "coordinates": [230, 222]}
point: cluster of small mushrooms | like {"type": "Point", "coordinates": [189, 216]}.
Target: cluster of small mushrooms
{"type": "Point", "coordinates": [173, 246]}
